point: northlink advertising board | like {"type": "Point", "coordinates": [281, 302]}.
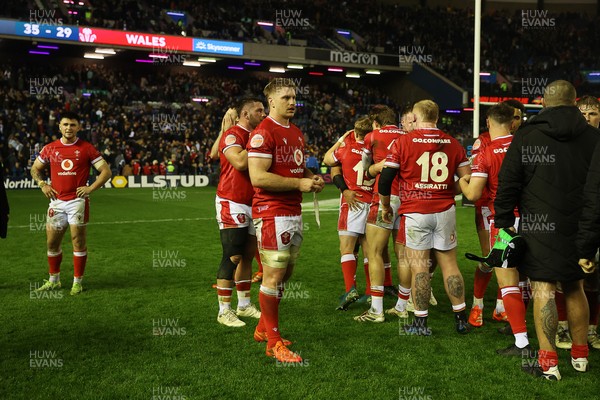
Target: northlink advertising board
{"type": "Point", "coordinates": [137, 181]}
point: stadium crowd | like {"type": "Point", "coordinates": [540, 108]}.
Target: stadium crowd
{"type": "Point", "coordinates": [445, 34]}
{"type": "Point", "coordinates": [148, 120]}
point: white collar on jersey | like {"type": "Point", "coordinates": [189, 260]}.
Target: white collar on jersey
{"type": "Point", "coordinates": [283, 126]}
{"type": "Point", "coordinates": [68, 144]}
{"type": "Point", "coordinates": [247, 130]}
{"type": "Point", "coordinates": [502, 137]}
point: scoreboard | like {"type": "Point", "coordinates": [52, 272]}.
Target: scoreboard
{"type": "Point", "coordinates": [81, 34]}
{"type": "Point", "coordinates": [60, 32]}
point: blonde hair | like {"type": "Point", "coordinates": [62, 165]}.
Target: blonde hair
{"type": "Point", "coordinates": [362, 126]}
{"type": "Point", "coordinates": [427, 110]}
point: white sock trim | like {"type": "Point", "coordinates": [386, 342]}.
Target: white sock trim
{"type": "Point", "coordinates": [268, 291]}
{"type": "Point", "coordinates": [347, 257]}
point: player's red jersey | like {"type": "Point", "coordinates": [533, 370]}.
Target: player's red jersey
{"type": "Point", "coordinates": [349, 156]}
{"type": "Point", "coordinates": [234, 185]}
{"type": "Point", "coordinates": [69, 165]}
{"type": "Point", "coordinates": [378, 143]}
{"type": "Point", "coordinates": [284, 146]}
{"type": "Point", "coordinates": [427, 160]}
{"type": "Point", "coordinates": [482, 141]}
{"type": "Point", "coordinates": [487, 165]}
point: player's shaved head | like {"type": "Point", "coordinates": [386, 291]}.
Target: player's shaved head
{"type": "Point", "coordinates": [362, 126]}
{"type": "Point", "coordinates": [383, 115]}
{"type": "Point", "coordinates": [501, 113]}
{"type": "Point", "coordinates": [559, 93]}
{"type": "Point", "coordinates": [426, 111]}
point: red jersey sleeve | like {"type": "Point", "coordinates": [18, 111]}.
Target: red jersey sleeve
{"type": "Point", "coordinates": [44, 155]}
{"type": "Point", "coordinates": [368, 143]}
{"type": "Point", "coordinates": [393, 159]}
{"type": "Point", "coordinates": [339, 153]}
{"type": "Point", "coordinates": [230, 139]}
{"type": "Point", "coordinates": [480, 166]}
{"type": "Point", "coordinates": [261, 144]}
{"type": "Point", "coordinates": [93, 154]}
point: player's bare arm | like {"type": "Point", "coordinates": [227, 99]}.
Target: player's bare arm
{"type": "Point", "coordinates": [350, 196]}
{"type": "Point", "coordinates": [237, 157]}
{"type": "Point", "coordinates": [37, 173]}
{"type": "Point", "coordinates": [229, 120]}
{"type": "Point", "coordinates": [385, 186]}
{"type": "Point", "coordinates": [328, 159]}
{"type": "Point", "coordinates": [262, 178]}
{"type": "Point", "coordinates": [105, 174]}
{"type": "Point", "coordinates": [375, 169]}
{"type": "Point", "coordinates": [472, 186]}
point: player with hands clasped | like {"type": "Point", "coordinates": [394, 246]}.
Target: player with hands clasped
{"type": "Point", "coordinates": [279, 176]}
{"type": "Point", "coordinates": [69, 159]}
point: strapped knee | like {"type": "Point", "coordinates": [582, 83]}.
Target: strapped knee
{"type": "Point", "coordinates": [234, 242]}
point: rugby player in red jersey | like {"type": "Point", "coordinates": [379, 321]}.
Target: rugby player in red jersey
{"type": "Point", "coordinates": [356, 194]}
{"type": "Point", "coordinates": [376, 147]}
{"type": "Point", "coordinates": [485, 169]}
{"type": "Point", "coordinates": [426, 161]}
{"type": "Point", "coordinates": [483, 273]}
{"type": "Point", "coordinates": [234, 215]}
{"type": "Point", "coordinates": [279, 176]}
{"type": "Point", "coordinates": [69, 159]}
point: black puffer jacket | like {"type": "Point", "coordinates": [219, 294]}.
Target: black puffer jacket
{"type": "Point", "coordinates": [588, 239]}
{"type": "Point", "coordinates": [544, 174]}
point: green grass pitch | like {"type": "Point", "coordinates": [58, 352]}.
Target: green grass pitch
{"type": "Point", "coordinates": [145, 326]}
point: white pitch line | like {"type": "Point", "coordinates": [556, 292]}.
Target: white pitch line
{"type": "Point", "coordinates": [329, 206]}
{"type": "Point", "coordinates": [139, 221]}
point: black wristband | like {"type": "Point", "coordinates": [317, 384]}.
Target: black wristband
{"type": "Point", "coordinates": [340, 183]}
{"type": "Point", "coordinates": [368, 174]}
{"type": "Point", "coordinates": [385, 181]}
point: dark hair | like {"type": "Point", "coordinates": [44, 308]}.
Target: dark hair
{"type": "Point", "coordinates": [407, 109]}
{"type": "Point", "coordinates": [501, 113]}
{"type": "Point", "coordinates": [69, 115]}
{"type": "Point", "coordinates": [245, 101]}
{"type": "Point", "coordinates": [514, 103]}
{"type": "Point", "coordinates": [383, 115]}
{"type": "Point", "coordinates": [589, 101]}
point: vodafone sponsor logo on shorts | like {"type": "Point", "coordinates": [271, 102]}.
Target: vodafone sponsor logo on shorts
{"type": "Point", "coordinates": [67, 165]}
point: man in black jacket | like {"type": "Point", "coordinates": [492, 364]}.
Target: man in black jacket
{"type": "Point", "coordinates": [544, 173]}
